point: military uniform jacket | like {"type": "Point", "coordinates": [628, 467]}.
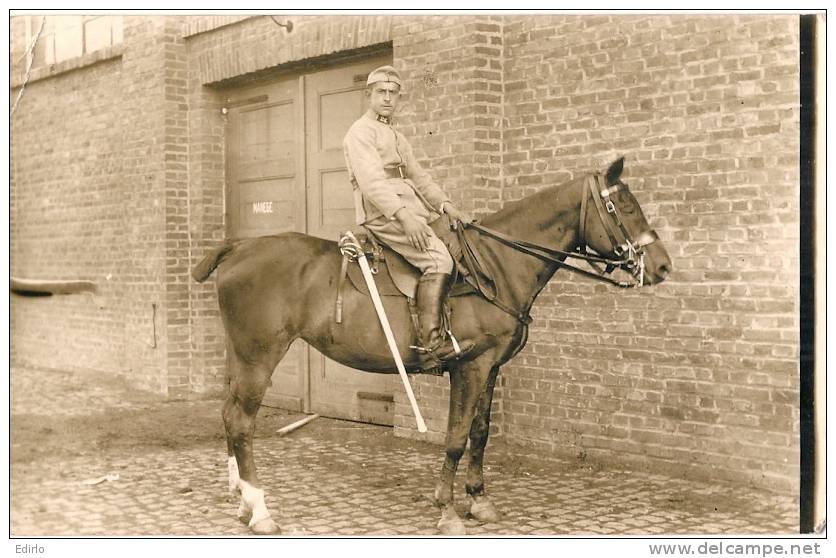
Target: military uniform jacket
{"type": "Point", "coordinates": [370, 146]}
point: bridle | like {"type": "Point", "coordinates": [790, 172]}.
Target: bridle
{"type": "Point", "coordinates": [633, 250]}
{"type": "Point", "coordinates": [630, 252]}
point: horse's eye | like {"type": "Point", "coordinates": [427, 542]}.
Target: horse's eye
{"type": "Point", "coordinates": [626, 203]}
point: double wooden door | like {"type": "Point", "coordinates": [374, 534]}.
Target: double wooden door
{"type": "Point", "coordinates": [286, 172]}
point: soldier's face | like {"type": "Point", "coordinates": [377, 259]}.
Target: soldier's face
{"type": "Point", "coordinates": [384, 97]}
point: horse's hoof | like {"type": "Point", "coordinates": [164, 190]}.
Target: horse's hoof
{"type": "Point", "coordinates": [451, 524]}
{"type": "Point", "coordinates": [451, 527]}
{"type": "Point", "coordinates": [244, 513]}
{"type": "Point", "coordinates": [265, 527]}
{"type": "Point", "coordinates": [437, 499]}
{"type": "Point", "coordinates": [484, 511]}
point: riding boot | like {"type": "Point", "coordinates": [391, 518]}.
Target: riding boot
{"type": "Point", "coordinates": [433, 289]}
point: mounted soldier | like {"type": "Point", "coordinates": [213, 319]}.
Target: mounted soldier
{"type": "Point", "coordinates": [395, 199]}
{"type": "Point", "coordinates": [270, 293]}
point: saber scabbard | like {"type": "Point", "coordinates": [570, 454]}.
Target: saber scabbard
{"type": "Point", "coordinates": [357, 251]}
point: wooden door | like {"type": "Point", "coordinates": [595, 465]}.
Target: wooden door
{"type": "Point", "coordinates": [266, 193]}
{"type": "Point", "coordinates": [286, 172]}
{"type": "Point", "coordinates": [334, 99]}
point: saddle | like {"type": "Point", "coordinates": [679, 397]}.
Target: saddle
{"type": "Point", "coordinates": [395, 276]}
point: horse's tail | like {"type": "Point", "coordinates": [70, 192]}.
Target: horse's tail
{"type": "Point", "coordinates": [207, 265]}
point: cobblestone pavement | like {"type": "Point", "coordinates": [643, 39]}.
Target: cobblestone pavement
{"type": "Point", "coordinates": [347, 484]}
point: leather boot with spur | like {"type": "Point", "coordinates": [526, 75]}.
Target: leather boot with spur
{"type": "Point", "coordinates": [432, 293]}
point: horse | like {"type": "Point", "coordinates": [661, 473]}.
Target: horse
{"type": "Point", "coordinates": [273, 290]}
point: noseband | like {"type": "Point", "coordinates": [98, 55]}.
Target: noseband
{"type": "Point", "coordinates": [630, 250]}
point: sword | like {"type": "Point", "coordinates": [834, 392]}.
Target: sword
{"type": "Point", "coordinates": [384, 323]}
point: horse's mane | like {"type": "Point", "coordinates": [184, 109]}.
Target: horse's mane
{"type": "Point", "coordinates": [513, 209]}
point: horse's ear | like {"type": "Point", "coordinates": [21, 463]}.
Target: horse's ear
{"type": "Point", "coordinates": [614, 172]}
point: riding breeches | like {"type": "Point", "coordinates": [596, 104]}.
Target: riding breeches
{"type": "Point", "coordinates": [436, 259]}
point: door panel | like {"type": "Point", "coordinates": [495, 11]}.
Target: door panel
{"type": "Point", "coordinates": [337, 200]}
{"type": "Point", "coordinates": [264, 205]}
{"type": "Point", "coordinates": [337, 112]}
{"type": "Point", "coordinates": [334, 99]}
{"type": "Point", "coordinates": [266, 193]}
{"type": "Point", "coordinates": [333, 102]}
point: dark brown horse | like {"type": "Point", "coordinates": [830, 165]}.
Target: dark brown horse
{"type": "Point", "coordinates": [273, 290]}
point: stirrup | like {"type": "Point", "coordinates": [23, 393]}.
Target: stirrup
{"type": "Point", "coordinates": [457, 353]}
{"type": "Point", "coordinates": [456, 348]}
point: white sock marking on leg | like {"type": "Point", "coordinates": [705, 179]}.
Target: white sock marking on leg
{"type": "Point", "coordinates": [232, 465]}
{"type": "Point", "coordinates": [254, 499]}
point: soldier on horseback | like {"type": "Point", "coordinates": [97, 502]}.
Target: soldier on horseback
{"type": "Point", "coordinates": [395, 199]}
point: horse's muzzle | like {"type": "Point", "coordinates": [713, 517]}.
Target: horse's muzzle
{"type": "Point", "coordinates": [657, 263]}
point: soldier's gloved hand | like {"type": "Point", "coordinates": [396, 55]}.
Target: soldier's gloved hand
{"type": "Point", "coordinates": [456, 215]}
{"type": "Point", "coordinates": [416, 230]}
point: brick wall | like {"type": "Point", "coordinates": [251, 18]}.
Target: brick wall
{"type": "Point", "coordinates": [64, 205]}
{"type": "Point", "coordinates": [117, 176]}
{"type": "Point", "coordinates": [206, 222]}
{"type": "Point", "coordinates": [256, 47]}
{"type": "Point", "coordinates": [176, 145]}
{"type": "Point", "coordinates": [143, 186]}
{"type": "Point", "coordinates": [89, 188]}
{"type": "Point", "coordinates": [699, 374]}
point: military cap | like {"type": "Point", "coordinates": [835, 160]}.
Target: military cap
{"type": "Point", "coordinates": [384, 73]}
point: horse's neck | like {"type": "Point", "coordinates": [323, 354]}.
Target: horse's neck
{"type": "Point", "coordinates": [549, 218]}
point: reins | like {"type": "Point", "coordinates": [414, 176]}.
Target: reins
{"type": "Point", "coordinates": [555, 256]}
{"type": "Point", "coordinates": [634, 249]}
{"type": "Point", "coordinates": [476, 269]}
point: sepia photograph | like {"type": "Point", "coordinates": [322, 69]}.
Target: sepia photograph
{"type": "Point", "coordinates": [379, 274]}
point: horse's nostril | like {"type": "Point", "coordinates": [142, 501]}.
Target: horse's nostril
{"type": "Point", "coordinates": [663, 270]}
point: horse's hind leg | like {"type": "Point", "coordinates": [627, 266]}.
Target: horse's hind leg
{"type": "Point", "coordinates": [245, 513]}
{"type": "Point", "coordinates": [247, 385]}
{"type": "Point", "coordinates": [232, 463]}
{"type": "Point", "coordinates": [481, 507]}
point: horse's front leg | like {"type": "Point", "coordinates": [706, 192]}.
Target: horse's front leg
{"type": "Point", "coordinates": [467, 382]}
{"type": "Point", "coordinates": [480, 506]}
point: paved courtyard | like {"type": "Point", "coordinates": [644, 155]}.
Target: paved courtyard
{"type": "Point", "coordinates": [342, 478]}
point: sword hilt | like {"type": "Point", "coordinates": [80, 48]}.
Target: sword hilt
{"type": "Point", "coordinates": [350, 246]}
